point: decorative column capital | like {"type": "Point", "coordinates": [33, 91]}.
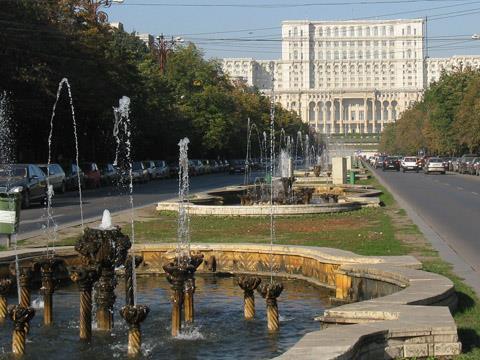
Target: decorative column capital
{"type": "Point", "coordinates": [248, 283]}
{"type": "Point", "coordinates": [5, 286]}
{"type": "Point", "coordinates": [134, 315]}
{"type": "Point", "coordinates": [20, 316]}
{"type": "Point", "coordinates": [85, 277]}
{"type": "Point", "coordinates": [270, 291]}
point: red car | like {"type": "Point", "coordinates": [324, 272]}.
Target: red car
{"type": "Point", "coordinates": [92, 174]}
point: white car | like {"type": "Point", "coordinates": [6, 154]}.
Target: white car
{"type": "Point", "coordinates": [409, 163]}
{"type": "Point", "coordinates": [434, 165]}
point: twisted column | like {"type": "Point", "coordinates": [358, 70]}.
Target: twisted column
{"type": "Point", "coordinates": [189, 288]}
{"type": "Point", "coordinates": [47, 268]}
{"type": "Point", "coordinates": [134, 315]}
{"type": "Point", "coordinates": [85, 277]}
{"type": "Point", "coordinates": [271, 291]}
{"type": "Point", "coordinates": [177, 274]}
{"type": "Point", "coordinates": [5, 285]}
{"type": "Point", "coordinates": [248, 284]}
{"type": "Point", "coordinates": [21, 317]}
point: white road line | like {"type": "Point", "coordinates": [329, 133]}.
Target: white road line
{"type": "Point", "coordinates": [475, 193]}
{"type": "Point", "coordinates": [459, 188]}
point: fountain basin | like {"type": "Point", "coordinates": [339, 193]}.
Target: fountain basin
{"type": "Point", "coordinates": [392, 316]}
{"type": "Point", "coordinates": [226, 202]}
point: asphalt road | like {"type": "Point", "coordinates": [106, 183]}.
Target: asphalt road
{"type": "Point", "coordinates": [66, 210]}
{"type": "Point", "coordinates": [450, 205]}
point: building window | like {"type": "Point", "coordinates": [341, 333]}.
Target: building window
{"type": "Point", "coordinates": [360, 55]}
{"type": "Point", "coordinates": [391, 30]}
{"type": "Point", "coordinates": [295, 55]}
{"type": "Point", "coordinates": [375, 31]}
{"type": "Point", "coordinates": [384, 31]}
{"type": "Point", "coordinates": [351, 31]}
{"type": "Point", "coordinates": [335, 32]}
{"type": "Point", "coordinates": [295, 31]}
{"type": "Point", "coordinates": [359, 31]}
{"type": "Point", "coordinates": [328, 32]}
{"type": "Point", "coordinates": [367, 54]}
{"type": "Point", "coordinates": [367, 31]}
{"type": "Point", "coordinates": [336, 55]}
{"type": "Point", "coordinates": [320, 32]}
{"type": "Point", "coordinates": [409, 30]}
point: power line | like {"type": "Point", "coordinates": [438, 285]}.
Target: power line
{"type": "Point", "coordinates": [284, 5]}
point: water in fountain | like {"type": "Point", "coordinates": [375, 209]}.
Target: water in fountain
{"type": "Point", "coordinates": [246, 179]}
{"type": "Point", "coordinates": [183, 229]}
{"type": "Point", "coordinates": [285, 164]}
{"type": "Point", "coordinates": [306, 152]}
{"type": "Point", "coordinates": [122, 130]}
{"type": "Point", "coordinates": [264, 146]}
{"type": "Point", "coordinates": [52, 235]}
{"type": "Point", "coordinates": [298, 144]}
{"type": "Point", "coordinates": [7, 157]}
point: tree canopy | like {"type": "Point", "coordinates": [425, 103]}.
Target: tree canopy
{"type": "Point", "coordinates": [43, 41]}
{"type": "Point", "coordinates": [445, 122]}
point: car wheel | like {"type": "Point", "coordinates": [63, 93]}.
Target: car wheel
{"type": "Point", "coordinates": [427, 172]}
{"type": "Point", "coordinates": [416, 171]}
{"type": "Point", "coordinates": [63, 188]}
{"type": "Point", "coordinates": [403, 170]}
{"type": "Point", "coordinates": [25, 200]}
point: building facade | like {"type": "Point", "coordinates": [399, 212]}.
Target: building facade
{"type": "Point", "coordinates": [346, 76]}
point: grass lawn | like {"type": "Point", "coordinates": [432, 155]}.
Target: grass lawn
{"type": "Point", "coordinates": [373, 231]}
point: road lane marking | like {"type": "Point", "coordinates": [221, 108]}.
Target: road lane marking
{"type": "Point", "coordinates": [459, 188]}
{"type": "Point", "coordinates": [475, 193]}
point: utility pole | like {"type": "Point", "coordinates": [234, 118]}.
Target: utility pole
{"type": "Point", "coordinates": [163, 47]}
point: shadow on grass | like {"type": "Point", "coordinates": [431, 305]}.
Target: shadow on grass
{"type": "Point", "coordinates": [469, 337]}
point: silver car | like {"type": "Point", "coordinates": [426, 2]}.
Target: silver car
{"type": "Point", "coordinates": [434, 165]}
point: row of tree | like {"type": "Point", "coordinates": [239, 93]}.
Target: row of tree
{"type": "Point", "coordinates": [43, 41]}
{"type": "Point", "coordinates": [445, 122]}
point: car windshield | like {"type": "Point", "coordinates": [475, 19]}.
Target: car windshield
{"type": "Point", "coordinates": [435, 160]}
{"type": "Point", "coordinates": [410, 159]}
{"type": "Point", "coordinates": [7, 171]}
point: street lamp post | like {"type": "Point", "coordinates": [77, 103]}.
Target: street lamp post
{"type": "Point", "coordinates": [93, 7]}
{"type": "Point", "coordinates": [163, 47]}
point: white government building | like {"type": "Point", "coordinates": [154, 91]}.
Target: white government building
{"type": "Point", "coordinates": [348, 76]}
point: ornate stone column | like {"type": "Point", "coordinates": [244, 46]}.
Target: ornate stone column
{"type": "Point", "coordinates": [270, 292]}
{"type": "Point", "coordinates": [341, 114]}
{"type": "Point", "coordinates": [85, 277]}
{"type": "Point", "coordinates": [189, 288]}
{"type": "Point", "coordinates": [21, 317]}
{"type": "Point", "coordinates": [357, 119]}
{"type": "Point", "coordinates": [176, 276]}
{"type": "Point", "coordinates": [374, 115]}
{"type": "Point", "coordinates": [104, 249]}
{"type": "Point", "coordinates": [47, 269]}
{"type": "Point", "coordinates": [248, 284]}
{"type": "Point", "coordinates": [324, 113]}
{"type": "Point", "coordinates": [365, 115]}
{"type": "Point", "coordinates": [5, 286]}
{"type": "Point", "coordinates": [134, 315]}
{"type": "Point", "coordinates": [333, 115]}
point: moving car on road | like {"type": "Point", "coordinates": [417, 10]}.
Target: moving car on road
{"type": "Point", "coordinates": [434, 165]}
{"type": "Point", "coordinates": [391, 163]}
{"type": "Point", "coordinates": [464, 162]}
{"type": "Point", "coordinates": [56, 177]}
{"type": "Point", "coordinates": [409, 163]}
{"type": "Point", "coordinates": [237, 166]}
{"type": "Point", "coordinates": [28, 178]}
{"type": "Point", "coordinates": [378, 163]}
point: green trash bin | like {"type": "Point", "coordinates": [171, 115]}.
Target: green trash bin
{"type": "Point", "coordinates": [10, 204]}
{"type": "Point", "coordinates": [352, 177]}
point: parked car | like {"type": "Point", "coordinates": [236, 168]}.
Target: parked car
{"type": "Point", "coordinates": [464, 162]}
{"type": "Point", "coordinates": [197, 167]}
{"type": "Point", "coordinates": [109, 175]}
{"type": "Point", "coordinates": [391, 163]}
{"type": "Point", "coordinates": [409, 163]}
{"type": "Point", "coordinates": [173, 168]}
{"type": "Point", "coordinates": [92, 174]}
{"type": "Point", "coordinates": [207, 166]}
{"type": "Point", "coordinates": [152, 170]}
{"type": "Point", "coordinates": [139, 172]}
{"type": "Point", "coordinates": [72, 172]}
{"type": "Point", "coordinates": [163, 168]}
{"type": "Point", "coordinates": [473, 165]}
{"type": "Point", "coordinates": [28, 179]}
{"type": "Point", "coordinates": [56, 177]}
{"type": "Point", "coordinates": [477, 168]}
{"type": "Point", "coordinates": [237, 166]}
{"type": "Point", "coordinates": [434, 164]}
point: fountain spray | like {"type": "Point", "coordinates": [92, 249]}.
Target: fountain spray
{"type": "Point", "coordinates": [49, 214]}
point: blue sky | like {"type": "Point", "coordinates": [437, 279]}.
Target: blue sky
{"type": "Point", "coordinates": [456, 19]}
